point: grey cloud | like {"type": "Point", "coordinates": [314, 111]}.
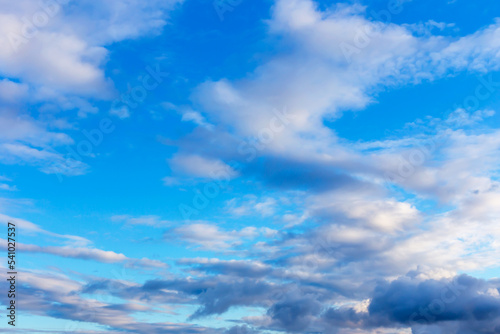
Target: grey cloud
{"type": "Point", "coordinates": [464, 299]}
{"type": "Point", "coordinates": [221, 297]}
{"type": "Point", "coordinates": [241, 330]}
{"type": "Point", "coordinates": [247, 269]}
{"type": "Point", "coordinates": [295, 314]}
{"type": "Point", "coordinates": [60, 297]}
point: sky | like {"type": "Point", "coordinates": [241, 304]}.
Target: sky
{"type": "Point", "coordinates": [251, 167]}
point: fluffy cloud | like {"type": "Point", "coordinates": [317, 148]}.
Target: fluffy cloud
{"type": "Point", "coordinates": [59, 46]}
{"type": "Point", "coordinates": [53, 56]}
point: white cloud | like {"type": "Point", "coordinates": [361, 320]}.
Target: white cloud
{"type": "Point", "coordinates": [362, 231]}
{"type": "Point", "coordinates": [89, 254]}
{"type": "Point", "coordinates": [315, 81]}
{"type": "Point", "coordinates": [4, 186]}
{"type": "Point", "coordinates": [52, 59]}
{"type": "Point", "coordinates": [23, 128]}
{"type": "Point", "coordinates": [12, 92]}
{"type": "Point", "coordinates": [202, 167]}
{"type": "Point", "coordinates": [29, 227]}
{"type": "Point", "coordinates": [53, 55]}
{"type": "Point", "coordinates": [371, 212]}
{"type": "Point", "coordinates": [65, 51]}
{"type": "Point", "coordinates": [121, 112]}
{"type": "Point", "coordinates": [251, 205]}
{"type": "Point", "coordinates": [211, 237]}
{"type": "Point", "coordinates": [195, 117]}
{"type": "Point", "coordinates": [48, 161]}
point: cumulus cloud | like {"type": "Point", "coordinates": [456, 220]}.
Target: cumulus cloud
{"type": "Point", "coordinates": [53, 55]}
{"type": "Point", "coordinates": [365, 208]}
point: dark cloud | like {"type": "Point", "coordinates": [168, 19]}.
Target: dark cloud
{"type": "Point", "coordinates": [461, 305]}
{"type": "Point", "coordinates": [457, 306]}
{"type": "Point", "coordinates": [241, 330]}
{"type": "Point", "coordinates": [462, 299]}
{"type": "Point", "coordinates": [295, 314]}
{"type": "Point", "coordinates": [246, 269]}
{"type": "Point", "coordinates": [224, 295]}
{"type": "Point", "coordinates": [292, 174]}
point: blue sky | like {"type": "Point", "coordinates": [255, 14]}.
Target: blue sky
{"type": "Point", "coordinates": [246, 167]}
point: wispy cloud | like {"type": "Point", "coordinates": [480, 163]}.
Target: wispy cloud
{"type": "Point", "coordinates": [153, 221]}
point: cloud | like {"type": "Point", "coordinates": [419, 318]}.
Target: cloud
{"type": "Point", "coordinates": [58, 296]}
{"type": "Point", "coordinates": [195, 117]}
{"type": "Point", "coordinates": [250, 205]}
{"type": "Point", "coordinates": [240, 268]}
{"type": "Point", "coordinates": [312, 78]}
{"type": "Point", "coordinates": [201, 167]}
{"type": "Point", "coordinates": [25, 129]}
{"type": "Point", "coordinates": [25, 140]}
{"type": "Point", "coordinates": [215, 296]}
{"type": "Point", "coordinates": [48, 161]}
{"type": "Point", "coordinates": [12, 92]}
{"type": "Point", "coordinates": [58, 52]}
{"type": "Point", "coordinates": [366, 209]}
{"type": "Point", "coordinates": [121, 112]}
{"type": "Point", "coordinates": [29, 227]}
{"type": "Point", "coordinates": [53, 56]}
{"type": "Point", "coordinates": [210, 236]}
{"type": "Point", "coordinates": [295, 314]}
{"type": "Point", "coordinates": [220, 298]}
{"type": "Point", "coordinates": [90, 254]}
{"type": "Point", "coordinates": [365, 227]}
{"type": "Point", "coordinates": [241, 330]}
{"type": "Point", "coordinates": [58, 36]}
{"type": "Point", "coordinates": [153, 221]}
{"type": "Point", "coordinates": [473, 304]}
{"type": "Point", "coordinates": [8, 187]}
{"type": "Point", "coordinates": [78, 253]}
{"type": "Point", "coordinates": [372, 253]}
